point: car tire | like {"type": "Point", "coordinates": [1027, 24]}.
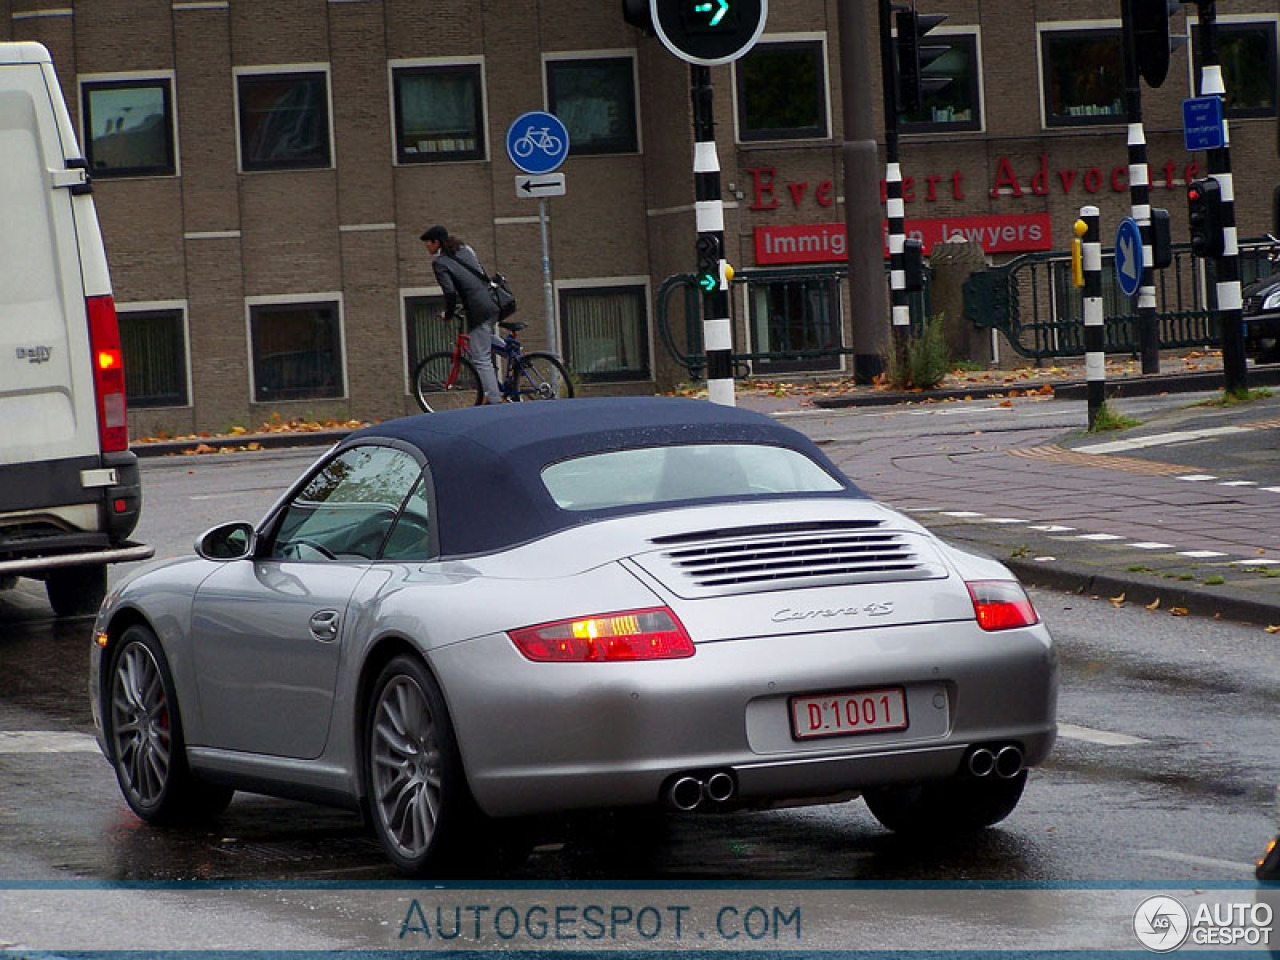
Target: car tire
{"type": "Point", "coordinates": [76, 591]}
{"type": "Point", "coordinates": [419, 803]}
{"type": "Point", "coordinates": [957, 806]}
{"type": "Point", "coordinates": [143, 727]}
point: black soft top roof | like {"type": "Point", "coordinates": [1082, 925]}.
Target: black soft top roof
{"type": "Point", "coordinates": [486, 462]}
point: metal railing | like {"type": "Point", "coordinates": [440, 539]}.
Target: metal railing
{"type": "Point", "coordinates": [1031, 302]}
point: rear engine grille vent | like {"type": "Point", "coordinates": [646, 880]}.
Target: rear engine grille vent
{"type": "Point", "coordinates": [834, 554]}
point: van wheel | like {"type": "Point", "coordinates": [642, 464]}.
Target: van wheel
{"type": "Point", "coordinates": [76, 591]}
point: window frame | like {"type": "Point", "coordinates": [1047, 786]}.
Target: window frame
{"type": "Point", "coordinates": [166, 79]}
{"type": "Point", "coordinates": [298, 300]}
{"type": "Point", "coordinates": [633, 284]}
{"type": "Point", "coordinates": [973, 36]}
{"type": "Point", "coordinates": [823, 131]}
{"type": "Point", "coordinates": [281, 70]}
{"type": "Point", "coordinates": [833, 294]}
{"type": "Point", "coordinates": [180, 310]}
{"type": "Point", "coordinates": [576, 149]}
{"type": "Point", "coordinates": [1227, 22]}
{"type": "Point", "coordinates": [1045, 31]}
{"type": "Point", "coordinates": [426, 66]}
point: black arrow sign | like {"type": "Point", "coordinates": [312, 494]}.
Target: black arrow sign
{"type": "Point", "coordinates": [531, 185]}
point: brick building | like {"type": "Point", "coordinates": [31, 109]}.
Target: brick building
{"type": "Point", "coordinates": [263, 170]}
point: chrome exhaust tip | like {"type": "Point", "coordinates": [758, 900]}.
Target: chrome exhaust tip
{"type": "Point", "coordinates": [685, 793]}
{"type": "Point", "coordinates": [1008, 762]}
{"type": "Point", "coordinates": [719, 787]}
{"type": "Point", "coordinates": [981, 762]}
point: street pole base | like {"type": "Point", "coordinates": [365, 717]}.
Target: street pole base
{"type": "Point", "coordinates": [866, 368]}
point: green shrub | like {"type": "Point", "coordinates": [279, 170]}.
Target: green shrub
{"type": "Point", "coordinates": [926, 362]}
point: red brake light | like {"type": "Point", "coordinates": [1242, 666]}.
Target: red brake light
{"type": "Point", "coordinates": [1001, 605]}
{"type": "Point", "coordinates": [652, 634]}
{"type": "Point", "coordinates": [108, 374]}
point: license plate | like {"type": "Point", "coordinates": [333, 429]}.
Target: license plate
{"type": "Point", "coordinates": [844, 714]}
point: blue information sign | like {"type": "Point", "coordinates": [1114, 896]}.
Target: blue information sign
{"type": "Point", "coordinates": [1128, 256]}
{"type": "Point", "coordinates": [537, 142]}
{"type": "Point", "coordinates": [1202, 125]}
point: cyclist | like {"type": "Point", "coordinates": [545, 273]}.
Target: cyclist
{"type": "Point", "coordinates": [460, 273]}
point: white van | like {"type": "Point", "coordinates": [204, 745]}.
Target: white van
{"type": "Point", "coordinates": [69, 487]}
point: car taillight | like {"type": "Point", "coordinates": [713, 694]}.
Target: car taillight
{"type": "Point", "coordinates": [108, 374]}
{"type": "Point", "coordinates": [1001, 604]}
{"type": "Point", "coordinates": [653, 634]}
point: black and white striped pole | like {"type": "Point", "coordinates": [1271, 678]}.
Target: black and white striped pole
{"type": "Point", "coordinates": [1140, 181]}
{"type": "Point", "coordinates": [1089, 236]}
{"type": "Point", "coordinates": [714, 272]}
{"type": "Point", "coordinates": [1230, 302]}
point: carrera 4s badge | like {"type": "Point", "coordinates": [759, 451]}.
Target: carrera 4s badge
{"type": "Point", "coordinates": [34, 354]}
{"type": "Point", "coordinates": [790, 614]}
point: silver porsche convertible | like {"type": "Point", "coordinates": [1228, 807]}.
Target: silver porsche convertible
{"type": "Point", "coordinates": [500, 612]}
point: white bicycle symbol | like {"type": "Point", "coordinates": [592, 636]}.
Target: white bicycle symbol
{"type": "Point", "coordinates": [537, 137]}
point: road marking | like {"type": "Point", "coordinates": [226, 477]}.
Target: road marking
{"type": "Point", "coordinates": [1198, 477]}
{"type": "Point", "coordinates": [1232, 865]}
{"type": "Point", "coordinates": [1096, 536]}
{"type": "Point", "coordinates": [1200, 554]}
{"type": "Point", "coordinates": [46, 741]}
{"type": "Point", "coordinates": [1005, 520]}
{"type": "Point", "coordinates": [1052, 528]}
{"type": "Point", "coordinates": [1102, 737]}
{"type": "Point", "coordinates": [1254, 563]}
{"type": "Point", "coordinates": [1270, 489]}
{"type": "Point", "coordinates": [1151, 545]}
{"type": "Point", "coordinates": [1237, 483]}
{"type": "Point", "coordinates": [1161, 439]}
{"type": "Point", "coordinates": [961, 514]}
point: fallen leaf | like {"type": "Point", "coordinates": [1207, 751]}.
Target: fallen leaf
{"type": "Point", "coordinates": [1274, 628]}
{"type": "Point", "coordinates": [1118, 601]}
{"type": "Point", "coordinates": [1154, 604]}
{"type": "Point", "coordinates": [1178, 611]}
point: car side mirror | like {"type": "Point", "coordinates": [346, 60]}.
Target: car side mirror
{"type": "Point", "coordinates": [230, 541]}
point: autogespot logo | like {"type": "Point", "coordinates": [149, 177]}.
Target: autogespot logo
{"type": "Point", "coordinates": [1161, 924]}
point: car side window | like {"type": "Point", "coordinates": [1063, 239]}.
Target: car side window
{"type": "Point", "coordinates": [347, 509]}
{"type": "Point", "coordinates": [410, 538]}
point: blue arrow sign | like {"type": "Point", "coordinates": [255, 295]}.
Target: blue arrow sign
{"type": "Point", "coordinates": [1202, 125]}
{"type": "Point", "coordinates": [537, 142]}
{"type": "Point", "coordinates": [1128, 256]}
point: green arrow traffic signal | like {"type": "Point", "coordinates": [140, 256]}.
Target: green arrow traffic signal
{"type": "Point", "coordinates": [719, 14]}
{"type": "Point", "coordinates": [708, 282]}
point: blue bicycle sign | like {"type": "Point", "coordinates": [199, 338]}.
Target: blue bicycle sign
{"type": "Point", "coordinates": [537, 142]}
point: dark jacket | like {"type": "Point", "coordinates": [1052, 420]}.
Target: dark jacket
{"type": "Point", "coordinates": [462, 285]}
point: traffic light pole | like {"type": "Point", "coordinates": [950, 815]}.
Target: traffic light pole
{"type": "Point", "coordinates": [896, 210]}
{"type": "Point", "coordinates": [717, 329]}
{"type": "Point", "coordinates": [1140, 197]}
{"type": "Point", "coordinates": [1227, 267]}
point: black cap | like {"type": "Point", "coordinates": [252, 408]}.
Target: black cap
{"type": "Point", "coordinates": [437, 233]}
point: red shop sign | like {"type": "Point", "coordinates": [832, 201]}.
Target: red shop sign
{"type": "Point", "coordinates": [825, 242]}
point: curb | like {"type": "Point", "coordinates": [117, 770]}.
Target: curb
{"type": "Point", "coordinates": [265, 441]}
{"type": "Point", "coordinates": [887, 399]}
{"type": "Point", "coordinates": [1156, 384]}
{"type": "Point", "coordinates": [1079, 579]}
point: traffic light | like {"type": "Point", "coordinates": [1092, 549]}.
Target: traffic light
{"type": "Point", "coordinates": [708, 263]}
{"type": "Point", "coordinates": [1151, 40]}
{"type": "Point", "coordinates": [1161, 239]}
{"type": "Point", "coordinates": [913, 265]}
{"type": "Point", "coordinates": [914, 57]}
{"type": "Point", "coordinates": [1204, 214]}
{"type": "Point", "coordinates": [708, 32]}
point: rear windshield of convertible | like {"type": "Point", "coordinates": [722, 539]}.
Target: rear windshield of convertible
{"type": "Point", "coordinates": [685, 472]}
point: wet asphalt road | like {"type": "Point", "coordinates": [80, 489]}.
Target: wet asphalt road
{"type": "Point", "coordinates": [1164, 772]}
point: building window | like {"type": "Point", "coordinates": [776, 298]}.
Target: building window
{"type": "Point", "coordinates": [284, 120]}
{"type": "Point", "coordinates": [795, 316]}
{"type": "Point", "coordinates": [1083, 77]}
{"type": "Point", "coordinates": [128, 127]}
{"type": "Point", "coordinates": [153, 344]}
{"type": "Point", "coordinates": [958, 105]}
{"type": "Point", "coordinates": [782, 91]}
{"type": "Point", "coordinates": [606, 332]}
{"type": "Point", "coordinates": [1247, 52]}
{"type": "Point", "coordinates": [424, 333]}
{"type": "Point", "coordinates": [595, 98]}
{"type": "Point", "coordinates": [297, 351]}
{"type": "Point", "coordinates": [439, 113]}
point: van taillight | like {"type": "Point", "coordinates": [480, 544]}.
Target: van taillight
{"type": "Point", "coordinates": [108, 374]}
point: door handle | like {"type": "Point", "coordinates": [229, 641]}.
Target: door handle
{"type": "Point", "coordinates": [324, 625]}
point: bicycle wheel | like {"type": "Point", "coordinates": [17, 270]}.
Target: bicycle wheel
{"type": "Point", "coordinates": [437, 386]}
{"type": "Point", "coordinates": [542, 376]}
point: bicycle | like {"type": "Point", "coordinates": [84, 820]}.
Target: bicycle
{"type": "Point", "coordinates": [542, 138]}
{"type": "Point", "coordinates": [447, 379]}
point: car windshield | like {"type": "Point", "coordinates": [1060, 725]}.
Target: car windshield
{"type": "Point", "coordinates": [687, 472]}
